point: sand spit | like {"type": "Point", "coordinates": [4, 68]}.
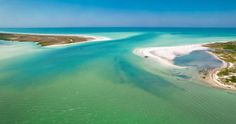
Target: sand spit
{"type": "Point", "coordinates": [166, 55]}
{"type": "Point", "coordinates": [48, 39]}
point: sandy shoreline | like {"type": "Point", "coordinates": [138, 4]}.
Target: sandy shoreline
{"type": "Point", "coordinates": [95, 39]}
{"type": "Point", "coordinates": [213, 78]}
{"type": "Point", "coordinates": [166, 56]}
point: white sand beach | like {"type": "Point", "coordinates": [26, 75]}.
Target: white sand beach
{"type": "Point", "coordinates": [166, 55]}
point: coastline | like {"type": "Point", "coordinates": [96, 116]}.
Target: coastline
{"type": "Point", "coordinates": [166, 55]}
{"type": "Point", "coordinates": [213, 78]}
{"type": "Point", "coordinates": [60, 39]}
{"type": "Point", "coordinates": [96, 39]}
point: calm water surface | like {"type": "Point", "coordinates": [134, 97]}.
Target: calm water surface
{"type": "Point", "coordinates": [105, 83]}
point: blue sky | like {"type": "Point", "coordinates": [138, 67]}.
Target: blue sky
{"type": "Point", "coordinates": [118, 13]}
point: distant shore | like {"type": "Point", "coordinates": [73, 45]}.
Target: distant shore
{"type": "Point", "coordinates": [49, 40]}
{"type": "Point", "coordinates": [166, 56]}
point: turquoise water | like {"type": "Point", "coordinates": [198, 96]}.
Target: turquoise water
{"type": "Point", "coordinates": [105, 83]}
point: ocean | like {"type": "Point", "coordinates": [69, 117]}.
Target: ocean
{"type": "Point", "coordinates": [105, 83]}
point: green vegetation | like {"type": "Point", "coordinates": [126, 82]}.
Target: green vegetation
{"type": "Point", "coordinates": [44, 40]}
{"type": "Point", "coordinates": [224, 72]}
{"type": "Point", "coordinates": [231, 47]}
{"type": "Point", "coordinates": [4, 37]}
{"type": "Point", "coordinates": [233, 79]}
{"type": "Point", "coordinates": [226, 52]}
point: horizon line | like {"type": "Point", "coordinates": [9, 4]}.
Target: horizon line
{"type": "Point", "coordinates": [119, 27]}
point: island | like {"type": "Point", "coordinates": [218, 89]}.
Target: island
{"type": "Point", "coordinates": [46, 40]}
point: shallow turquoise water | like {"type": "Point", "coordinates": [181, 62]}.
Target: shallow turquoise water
{"type": "Point", "coordinates": [104, 82]}
{"type": "Point", "coordinates": [198, 59]}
